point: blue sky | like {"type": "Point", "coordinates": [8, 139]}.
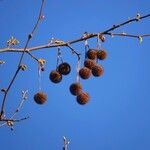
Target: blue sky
{"type": "Point", "coordinates": [117, 115]}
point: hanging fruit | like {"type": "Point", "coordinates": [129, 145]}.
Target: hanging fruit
{"type": "Point", "coordinates": [85, 73]}
{"type": "Point", "coordinates": [55, 76]}
{"type": "Point", "coordinates": [97, 70]}
{"type": "Point", "coordinates": [91, 54]}
{"type": "Point", "coordinates": [64, 68]}
{"type": "Point", "coordinates": [101, 54]}
{"type": "Point", "coordinates": [40, 97]}
{"type": "Point", "coordinates": [75, 88]}
{"type": "Point", "coordinates": [83, 98]}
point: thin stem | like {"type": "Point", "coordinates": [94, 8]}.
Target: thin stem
{"type": "Point", "coordinates": [124, 23]}
{"type": "Point", "coordinates": [127, 35]}
{"type": "Point", "coordinates": [76, 40]}
{"type": "Point", "coordinates": [74, 51]}
{"type": "Point", "coordinates": [20, 61]}
{"type": "Point", "coordinates": [15, 120]}
{"type": "Point", "coordinates": [7, 90]}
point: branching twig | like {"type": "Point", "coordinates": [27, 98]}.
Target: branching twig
{"type": "Point", "coordinates": [106, 32]}
{"type": "Point", "coordinates": [127, 35]}
{"type": "Point", "coordinates": [56, 43]}
{"type": "Point", "coordinates": [66, 143]}
{"type": "Point", "coordinates": [20, 61]}
{"type": "Point", "coordinates": [10, 121]}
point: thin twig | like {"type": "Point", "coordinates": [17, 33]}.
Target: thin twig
{"type": "Point", "coordinates": [66, 143]}
{"type": "Point", "coordinates": [76, 40]}
{"type": "Point", "coordinates": [127, 35]}
{"type": "Point", "coordinates": [24, 98]}
{"type": "Point", "coordinates": [20, 61]}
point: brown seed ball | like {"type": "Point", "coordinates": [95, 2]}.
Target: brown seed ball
{"type": "Point", "coordinates": [55, 76]}
{"type": "Point", "coordinates": [89, 63]}
{"type": "Point", "coordinates": [83, 98]}
{"type": "Point", "coordinates": [97, 70]}
{"type": "Point", "coordinates": [91, 54]}
{"type": "Point", "coordinates": [64, 68]}
{"type": "Point", "coordinates": [40, 98]}
{"type": "Point", "coordinates": [101, 54]}
{"type": "Point", "coordinates": [75, 88]}
{"type": "Point", "coordinates": [85, 73]}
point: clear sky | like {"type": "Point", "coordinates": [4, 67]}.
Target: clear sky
{"type": "Point", "coordinates": [117, 115]}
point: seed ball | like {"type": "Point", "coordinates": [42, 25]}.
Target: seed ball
{"type": "Point", "coordinates": [101, 54]}
{"type": "Point", "coordinates": [64, 68]}
{"type": "Point", "coordinates": [85, 73]}
{"type": "Point", "coordinates": [89, 63]}
{"type": "Point", "coordinates": [97, 70]}
{"type": "Point", "coordinates": [75, 88]}
{"type": "Point", "coordinates": [40, 98]}
{"type": "Point", "coordinates": [82, 98]}
{"type": "Point", "coordinates": [91, 54]}
{"type": "Point", "coordinates": [55, 76]}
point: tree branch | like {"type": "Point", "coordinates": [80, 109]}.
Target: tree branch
{"type": "Point", "coordinates": [82, 38]}
{"type": "Point", "coordinates": [20, 61]}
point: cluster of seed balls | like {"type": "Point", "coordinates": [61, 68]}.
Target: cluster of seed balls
{"type": "Point", "coordinates": [90, 68]}
{"type": "Point", "coordinates": [55, 76]}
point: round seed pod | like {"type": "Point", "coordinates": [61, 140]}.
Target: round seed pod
{"type": "Point", "coordinates": [97, 70]}
{"type": "Point", "coordinates": [64, 68]}
{"type": "Point", "coordinates": [101, 54]}
{"type": "Point", "coordinates": [85, 73]}
{"type": "Point", "coordinates": [91, 54]}
{"type": "Point", "coordinates": [55, 76]}
{"type": "Point", "coordinates": [75, 88]}
{"type": "Point", "coordinates": [40, 97]}
{"type": "Point", "coordinates": [89, 63]}
{"type": "Point", "coordinates": [82, 98]}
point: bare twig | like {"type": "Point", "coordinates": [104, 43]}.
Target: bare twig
{"type": "Point", "coordinates": [23, 99]}
{"type": "Point", "coordinates": [83, 38]}
{"type": "Point", "coordinates": [57, 43]}
{"type": "Point", "coordinates": [66, 143]}
{"type": "Point", "coordinates": [127, 35]}
{"type": "Point", "coordinates": [20, 61]}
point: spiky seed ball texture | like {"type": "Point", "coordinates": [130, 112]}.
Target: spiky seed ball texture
{"type": "Point", "coordinates": [83, 98]}
{"type": "Point", "coordinates": [64, 68]}
{"type": "Point", "coordinates": [91, 54]}
{"type": "Point", "coordinates": [75, 88]}
{"type": "Point", "coordinates": [40, 97]}
{"type": "Point", "coordinates": [85, 73]}
{"type": "Point", "coordinates": [101, 54]}
{"type": "Point", "coordinates": [97, 70]}
{"type": "Point", "coordinates": [89, 63]}
{"type": "Point", "coordinates": [55, 76]}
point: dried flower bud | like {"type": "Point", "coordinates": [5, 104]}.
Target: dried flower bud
{"type": "Point", "coordinates": [23, 67]}
{"type": "Point", "coordinates": [10, 123]}
{"type": "Point", "coordinates": [12, 41]}
{"type": "Point", "coordinates": [41, 61]}
{"type": "Point", "coordinates": [3, 90]}
{"type": "Point", "coordinates": [2, 62]}
{"type": "Point", "coordinates": [102, 37]}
